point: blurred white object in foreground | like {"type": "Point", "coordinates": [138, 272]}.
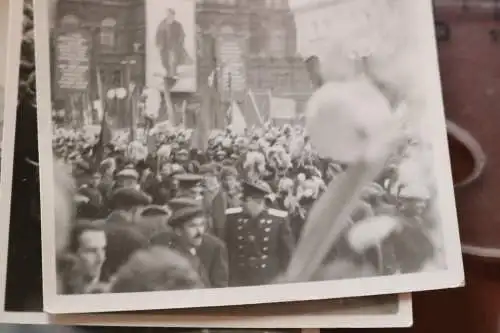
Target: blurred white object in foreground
{"type": "Point", "coordinates": [372, 232]}
{"type": "Point", "coordinates": [343, 118]}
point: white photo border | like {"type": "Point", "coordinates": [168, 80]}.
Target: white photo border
{"type": "Point", "coordinates": [451, 276]}
{"type": "Point", "coordinates": [324, 319]}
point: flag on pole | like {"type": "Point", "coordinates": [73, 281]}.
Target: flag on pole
{"type": "Point", "coordinates": [105, 134]}
{"type": "Point", "coordinates": [229, 113]}
{"type": "Point", "coordinates": [238, 123]}
{"type": "Point", "coordinates": [254, 109]}
{"type": "Point", "coordinates": [212, 78]}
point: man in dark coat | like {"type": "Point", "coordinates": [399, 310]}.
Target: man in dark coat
{"type": "Point", "coordinates": [93, 207]}
{"type": "Point", "coordinates": [123, 233]}
{"type": "Point", "coordinates": [213, 199]}
{"type": "Point", "coordinates": [259, 239]}
{"type": "Point", "coordinates": [207, 253]}
{"type": "Point", "coordinates": [170, 37]}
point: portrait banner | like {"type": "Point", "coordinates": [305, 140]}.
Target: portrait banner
{"type": "Point", "coordinates": [171, 44]}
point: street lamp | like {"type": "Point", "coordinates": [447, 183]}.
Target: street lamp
{"type": "Point", "coordinates": [115, 94]}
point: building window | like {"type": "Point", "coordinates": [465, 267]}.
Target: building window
{"type": "Point", "coordinates": [258, 36]}
{"type": "Point", "coordinates": [108, 32]}
{"type": "Point", "coordinates": [70, 21]}
{"type": "Point", "coordinates": [276, 4]}
{"type": "Point", "coordinates": [277, 43]}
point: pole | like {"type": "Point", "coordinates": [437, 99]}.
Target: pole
{"type": "Point", "coordinates": [128, 109]}
{"type": "Point", "coordinates": [168, 102]}
{"type": "Point", "coordinates": [229, 113]}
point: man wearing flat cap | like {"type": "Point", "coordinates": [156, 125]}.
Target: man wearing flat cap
{"type": "Point", "coordinates": [91, 208]}
{"type": "Point", "coordinates": [259, 239]}
{"type": "Point", "coordinates": [127, 178]}
{"type": "Point", "coordinates": [122, 231]}
{"type": "Point", "coordinates": [207, 253]}
{"type": "Point", "coordinates": [213, 199]}
{"type": "Point", "coordinates": [182, 158]}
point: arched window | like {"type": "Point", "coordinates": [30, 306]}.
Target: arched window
{"type": "Point", "coordinates": [258, 40]}
{"type": "Point", "coordinates": [276, 4]}
{"type": "Point", "coordinates": [108, 32]}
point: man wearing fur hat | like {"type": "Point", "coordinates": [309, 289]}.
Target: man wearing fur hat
{"type": "Point", "coordinates": [207, 253]}
{"type": "Point", "coordinates": [259, 239]}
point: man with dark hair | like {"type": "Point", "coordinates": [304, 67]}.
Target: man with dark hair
{"type": "Point", "coordinates": [170, 37]}
{"type": "Point", "coordinates": [80, 267]}
{"type": "Point", "coordinates": [207, 253]}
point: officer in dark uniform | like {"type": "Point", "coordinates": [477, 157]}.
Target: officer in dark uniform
{"type": "Point", "coordinates": [189, 236]}
{"type": "Point", "coordinates": [259, 239]}
{"type": "Point", "coordinates": [189, 185]}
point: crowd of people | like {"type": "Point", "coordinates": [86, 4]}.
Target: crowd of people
{"type": "Point", "coordinates": [158, 214]}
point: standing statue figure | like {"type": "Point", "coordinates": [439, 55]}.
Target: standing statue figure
{"type": "Point", "coordinates": [170, 38]}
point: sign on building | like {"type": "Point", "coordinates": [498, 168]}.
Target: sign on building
{"type": "Point", "coordinates": [72, 67]}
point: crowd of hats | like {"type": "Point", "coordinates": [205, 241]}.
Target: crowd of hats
{"type": "Point", "coordinates": [282, 156]}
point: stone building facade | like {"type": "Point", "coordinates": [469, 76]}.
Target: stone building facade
{"type": "Point", "coordinates": [251, 43]}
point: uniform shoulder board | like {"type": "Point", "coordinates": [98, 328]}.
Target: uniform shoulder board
{"type": "Point", "coordinates": [234, 210]}
{"type": "Point", "coordinates": [278, 213]}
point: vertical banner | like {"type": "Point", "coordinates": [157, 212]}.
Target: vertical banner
{"type": "Point", "coordinates": [238, 122]}
{"type": "Point", "coordinates": [171, 44]}
{"type": "Point", "coordinates": [231, 53]}
{"type": "Point", "coordinates": [72, 56]}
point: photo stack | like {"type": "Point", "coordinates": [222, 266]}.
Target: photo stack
{"type": "Point", "coordinates": [223, 164]}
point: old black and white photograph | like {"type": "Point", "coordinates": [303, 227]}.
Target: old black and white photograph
{"type": "Point", "coordinates": [21, 283]}
{"type": "Point", "coordinates": [309, 163]}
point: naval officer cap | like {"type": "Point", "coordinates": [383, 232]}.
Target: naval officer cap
{"type": "Point", "coordinates": [182, 202]}
{"type": "Point", "coordinates": [185, 211]}
{"type": "Point", "coordinates": [188, 180]}
{"type": "Point", "coordinates": [256, 188]}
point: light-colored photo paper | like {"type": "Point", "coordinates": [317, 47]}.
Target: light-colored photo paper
{"type": "Point", "coordinates": [310, 162]}
{"type": "Point", "coordinates": [372, 312]}
{"type": "Point", "coordinates": [8, 78]}
{"type": "Point", "coordinates": [21, 294]}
